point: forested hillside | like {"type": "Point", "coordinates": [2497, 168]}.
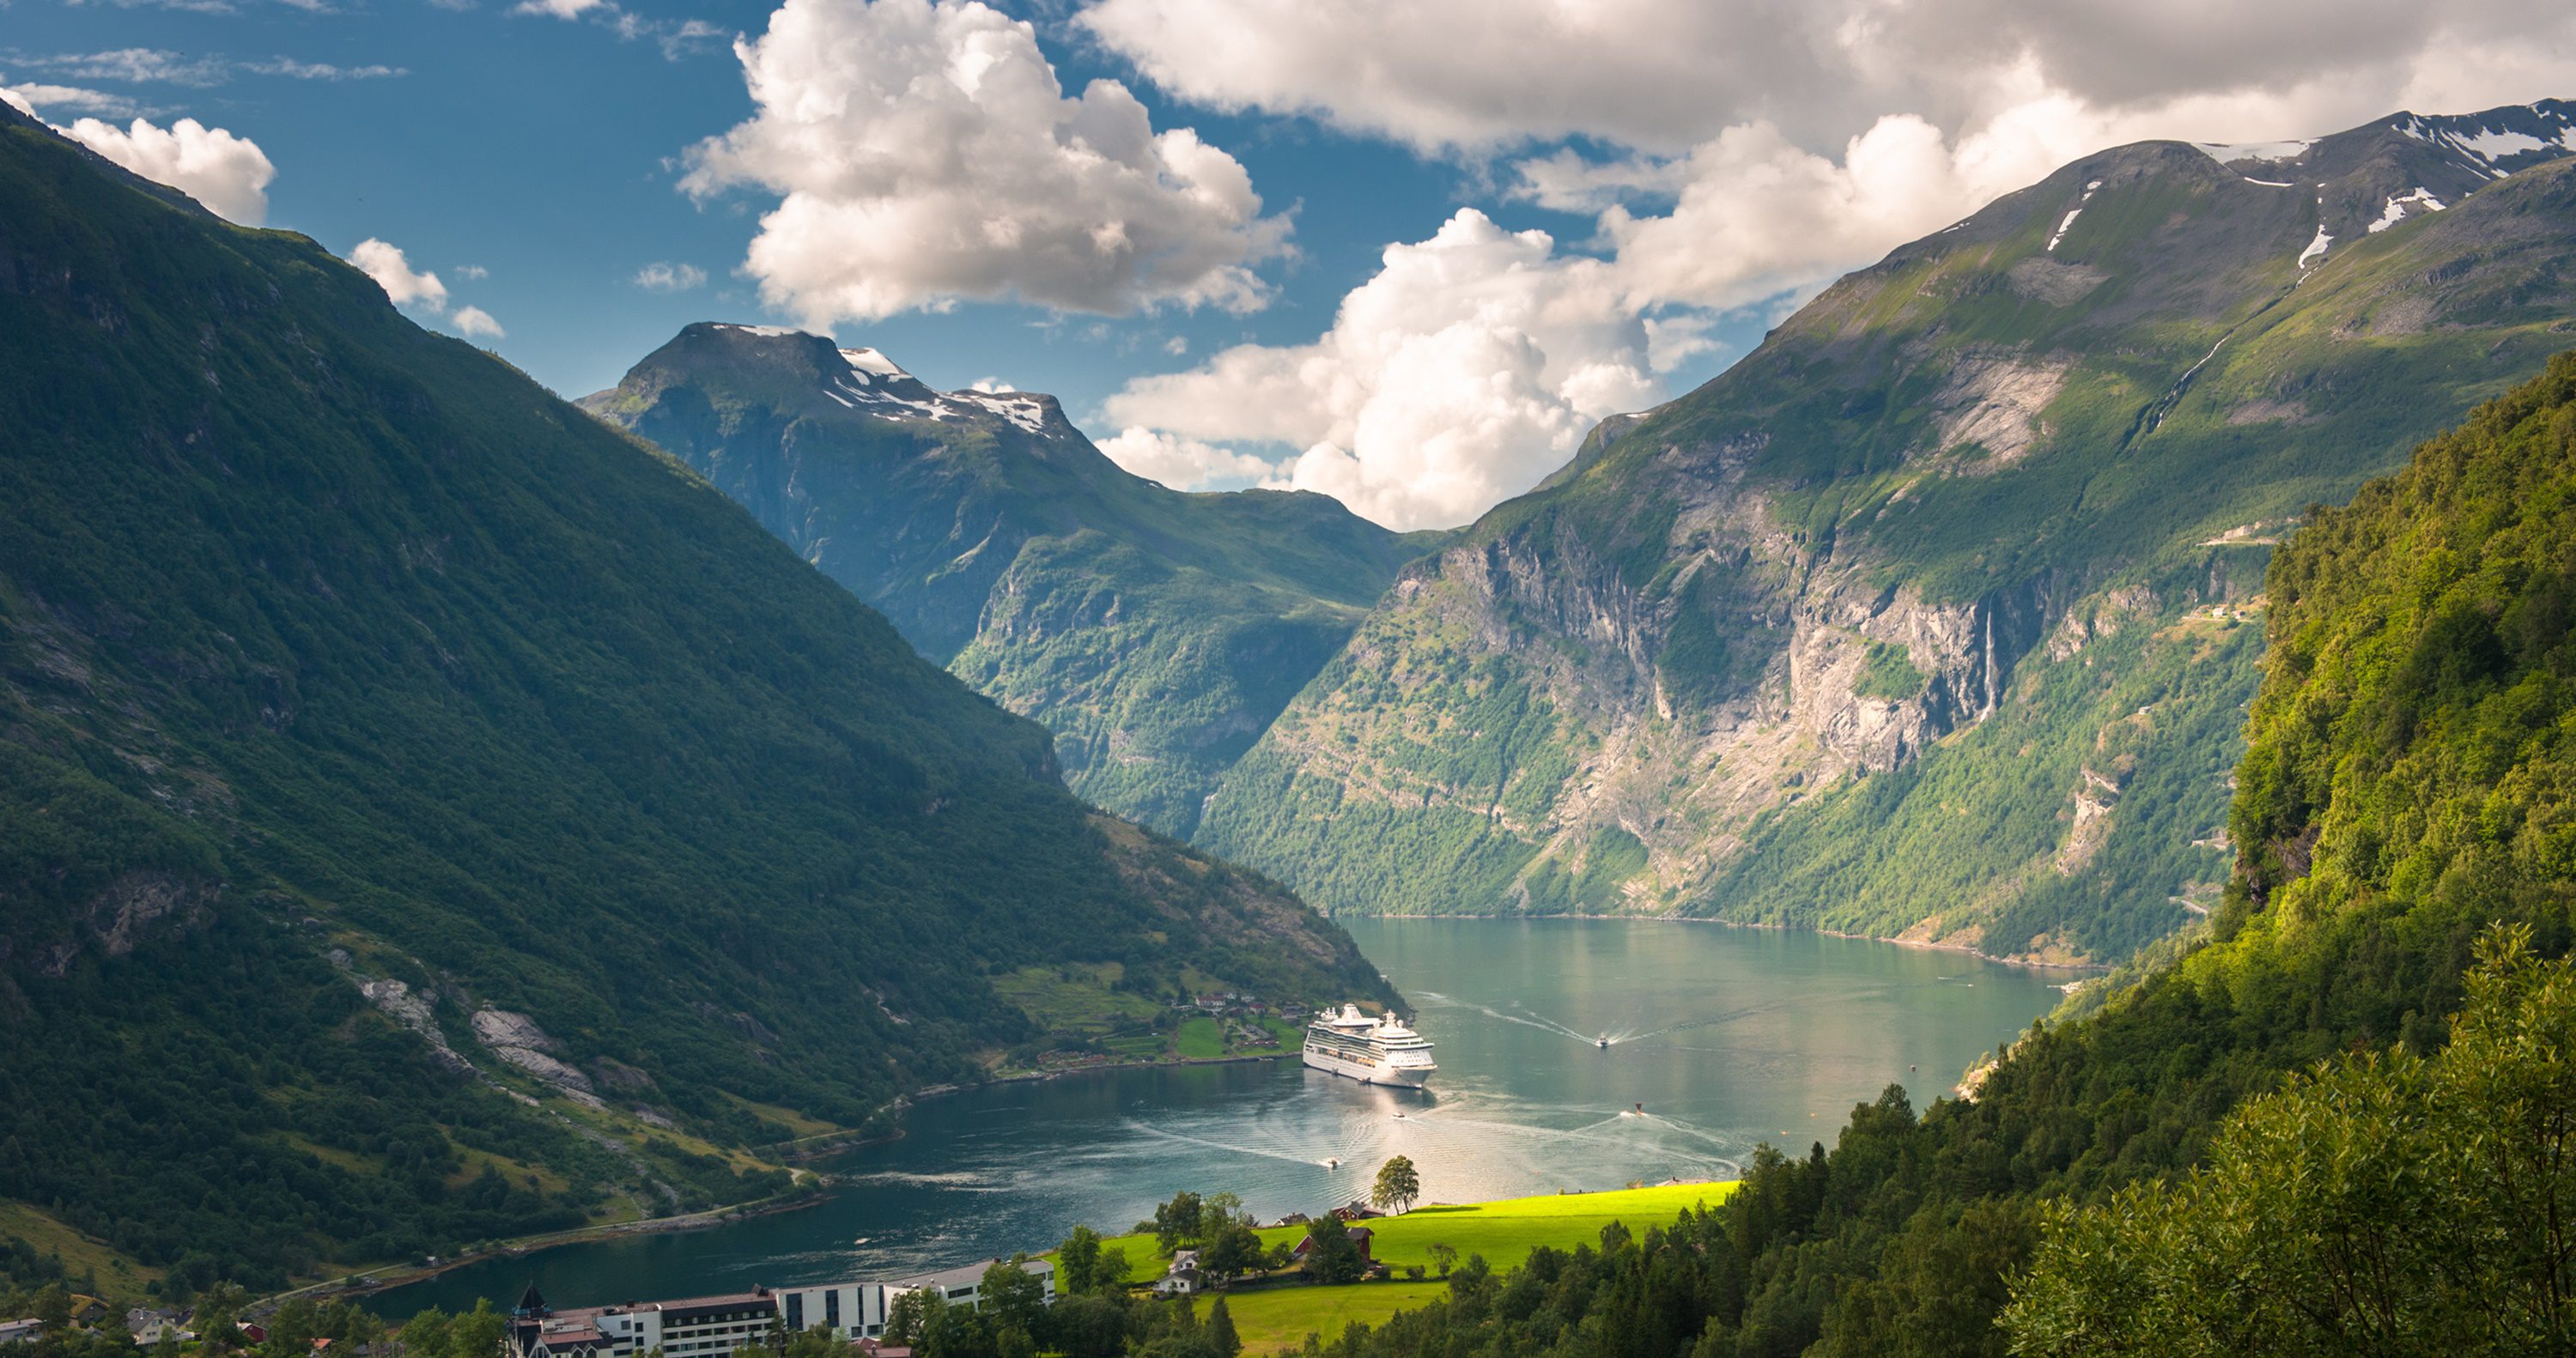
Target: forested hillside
{"type": "Point", "coordinates": [2403, 807]}
{"type": "Point", "coordinates": [1156, 633]}
{"type": "Point", "coordinates": [1931, 618]}
{"type": "Point", "coordinates": [429, 815]}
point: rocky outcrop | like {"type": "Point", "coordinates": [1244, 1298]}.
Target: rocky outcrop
{"type": "Point", "coordinates": [416, 1010]}
{"type": "Point", "coordinates": [517, 1040]}
{"type": "Point", "coordinates": [145, 901]}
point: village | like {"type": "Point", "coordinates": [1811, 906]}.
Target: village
{"type": "Point", "coordinates": [1367, 1258]}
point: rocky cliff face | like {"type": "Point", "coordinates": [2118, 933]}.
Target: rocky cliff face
{"type": "Point", "coordinates": [1905, 624]}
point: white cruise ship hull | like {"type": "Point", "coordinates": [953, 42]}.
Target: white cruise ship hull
{"type": "Point", "coordinates": [1368, 1071]}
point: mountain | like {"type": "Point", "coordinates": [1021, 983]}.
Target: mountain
{"type": "Point", "coordinates": [1156, 633]}
{"type": "Point", "coordinates": [2405, 791]}
{"type": "Point", "coordinates": [1933, 617]}
{"type": "Point", "coordinates": [429, 815]}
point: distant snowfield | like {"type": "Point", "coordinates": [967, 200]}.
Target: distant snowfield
{"type": "Point", "coordinates": [2236, 153]}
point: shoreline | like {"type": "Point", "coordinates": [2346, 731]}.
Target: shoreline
{"type": "Point", "coordinates": [1925, 944]}
{"type": "Point", "coordinates": [823, 1145]}
{"type": "Point", "coordinates": [389, 1277]}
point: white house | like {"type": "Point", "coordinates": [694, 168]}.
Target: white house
{"type": "Point", "coordinates": [1184, 1278]}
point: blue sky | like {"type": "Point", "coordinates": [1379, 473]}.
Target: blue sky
{"type": "Point", "coordinates": [1697, 166]}
{"type": "Point", "coordinates": [540, 150]}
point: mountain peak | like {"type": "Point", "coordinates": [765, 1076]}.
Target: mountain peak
{"type": "Point", "coordinates": [810, 375]}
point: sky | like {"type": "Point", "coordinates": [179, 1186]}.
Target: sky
{"type": "Point", "coordinates": [1403, 252]}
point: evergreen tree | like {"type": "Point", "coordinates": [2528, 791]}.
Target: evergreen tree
{"type": "Point", "coordinates": [1220, 1331]}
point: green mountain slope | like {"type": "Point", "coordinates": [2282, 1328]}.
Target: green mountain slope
{"type": "Point", "coordinates": [427, 814]}
{"type": "Point", "coordinates": [2406, 788]}
{"type": "Point", "coordinates": [1925, 620]}
{"type": "Point", "coordinates": [1156, 633]}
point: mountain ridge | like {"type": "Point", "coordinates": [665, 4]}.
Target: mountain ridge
{"type": "Point", "coordinates": [1749, 643]}
{"type": "Point", "coordinates": [1155, 631]}
{"type": "Point", "coordinates": [427, 815]}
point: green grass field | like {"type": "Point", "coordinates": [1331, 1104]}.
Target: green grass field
{"type": "Point", "coordinates": [1282, 1318]}
{"type": "Point", "coordinates": [1503, 1231]}
{"type": "Point", "coordinates": [1200, 1039]}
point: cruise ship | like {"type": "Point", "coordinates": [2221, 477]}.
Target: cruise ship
{"type": "Point", "coordinates": [1378, 1051]}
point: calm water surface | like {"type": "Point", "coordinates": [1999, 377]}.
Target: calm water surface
{"type": "Point", "coordinates": [1727, 1037]}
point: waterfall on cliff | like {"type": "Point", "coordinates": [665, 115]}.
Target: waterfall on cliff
{"type": "Point", "coordinates": [1990, 668]}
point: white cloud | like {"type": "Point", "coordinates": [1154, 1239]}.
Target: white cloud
{"type": "Point", "coordinates": [1463, 372]}
{"type": "Point", "coordinates": [136, 66]}
{"type": "Point", "coordinates": [384, 263]}
{"type": "Point", "coordinates": [664, 277]}
{"type": "Point", "coordinates": [320, 70]}
{"type": "Point", "coordinates": [1183, 463]}
{"type": "Point", "coordinates": [561, 9]}
{"type": "Point", "coordinates": [229, 174]}
{"type": "Point", "coordinates": [472, 271]}
{"type": "Point", "coordinates": [474, 321]}
{"type": "Point", "coordinates": [1665, 75]}
{"type": "Point", "coordinates": [31, 97]}
{"type": "Point", "coordinates": [926, 153]}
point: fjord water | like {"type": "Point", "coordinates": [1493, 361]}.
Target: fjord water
{"type": "Point", "coordinates": [1728, 1037]}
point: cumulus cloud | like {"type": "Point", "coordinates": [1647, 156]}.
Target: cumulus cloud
{"type": "Point", "coordinates": [560, 9]}
{"type": "Point", "coordinates": [1464, 371]}
{"type": "Point", "coordinates": [474, 322]}
{"type": "Point", "coordinates": [384, 262]}
{"type": "Point", "coordinates": [1183, 463]}
{"type": "Point", "coordinates": [1663, 76]}
{"type": "Point", "coordinates": [664, 277]}
{"type": "Point", "coordinates": [1731, 153]}
{"type": "Point", "coordinates": [229, 174]}
{"type": "Point", "coordinates": [925, 152]}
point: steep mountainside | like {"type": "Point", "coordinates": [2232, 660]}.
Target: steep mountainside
{"type": "Point", "coordinates": [2407, 787]}
{"type": "Point", "coordinates": [1926, 618]}
{"type": "Point", "coordinates": [1156, 633]}
{"type": "Point", "coordinates": [427, 814]}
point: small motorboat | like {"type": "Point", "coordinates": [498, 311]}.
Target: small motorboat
{"type": "Point", "coordinates": [1603, 1044]}
{"type": "Point", "coordinates": [1332, 1162]}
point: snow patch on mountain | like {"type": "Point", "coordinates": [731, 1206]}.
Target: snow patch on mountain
{"type": "Point", "coordinates": [2238, 153]}
{"type": "Point", "coordinates": [2073, 213]}
{"type": "Point", "coordinates": [873, 362]}
{"type": "Point", "coordinates": [2395, 212]}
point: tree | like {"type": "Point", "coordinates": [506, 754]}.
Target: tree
{"type": "Point", "coordinates": [1078, 1258]}
{"type": "Point", "coordinates": [1220, 1331]}
{"type": "Point", "coordinates": [478, 1332]}
{"type": "Point", "coordinates": [1180, 1221]}
{"type": "Point", "coordinates": [1397, 1185]}
{"type": "Point", "coordinates": [2388, 1203]}
{"type": "Point", "coordinates": [1013, 1297]}
{"type": "Point", "coordinates": [1443, 1258]}
{"type": "Point", "coordinates": [908, 1316]}
{"type": "Point", "coordinates": [1331, 1255]}
{"type": "Point", "coordinates": [1110, 1275]}
{"type": "Point", "coordinates": [1232, 1249]}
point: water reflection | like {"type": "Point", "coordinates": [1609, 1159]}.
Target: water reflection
{"type": "Point", "coordinates": [1719, 1039]}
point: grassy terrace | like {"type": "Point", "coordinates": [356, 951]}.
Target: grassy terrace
{"type": "Point", "coordinates": [1504, 1232]}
